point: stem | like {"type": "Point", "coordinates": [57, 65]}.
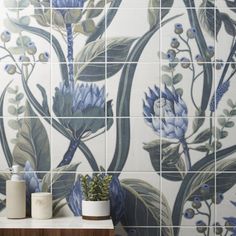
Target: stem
{"type": "Point", "coordinates": [69, 153]}
{"type": "Point", "coordinates": [186, 153]}
{"type": "Point", "coordinates": [70, 51]}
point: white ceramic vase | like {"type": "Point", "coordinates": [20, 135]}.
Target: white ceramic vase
{"type": "Point", "coordinates": [95, 210]}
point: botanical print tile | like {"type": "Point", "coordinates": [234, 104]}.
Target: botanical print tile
{"type": "Point", "coordinates": [225, 195]}
{"type": "Point", "coordinates": [189, 201]}
{"type": "Point", "coordinates": [129, 30]}
{"type": "Point", "coordinates": [225, 132]}
{"type": "Point", "coordinates": [19, 27]}
{"type": "Point", "coordinates": [79, 143]}
{"type": "Point", "coordinates": [186, 231]}
{"type": "Point", "coordinates": [138, 157]}
{"type": "Point", "coordinates": [145, 79]}
{"type": "Point", "coordinates": [86, 97]}
{"type": "Point", "coordinates": [26, 139]}
{"type": "Point", "coordinates": [186, 82]}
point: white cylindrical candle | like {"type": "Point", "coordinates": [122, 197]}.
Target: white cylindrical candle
{"type": "Point", "coordinates": [41, 205]}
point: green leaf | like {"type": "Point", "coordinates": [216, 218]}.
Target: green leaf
{"type": "Point", "coordinates": [170, 159]}
{"type": "Point", "coordinates": [166, 79]}
{"type": "Point", "coordinates": [230, 103]}
{"type": "Point", "coordinates": [229, 24]}
{"type": "Point", "coordinates": [14, 124]}
{"type": "Point", "coordinates": [3, 178]}
{"type": "Point", "coordinates": [94, 53]}
{"type": "Point", "coordinates": [146, 206]}
{"type": "Point", "coordinates": [229, 124]}
{"type": "Point", "coordinates": [62, 182]}
{"type": "Point", "coordinates": [33, 143]}
{"type": "Point", "coordinates": [155, 10]}
{"type": "Point", "coordinates": [177, 78]}
{"type": "Point", "coordinates": [19, 96]}
{"type": "Point", "coordinates": [45, 100]}
{"type": "Point", "coordinates": [179, 91]}
{"type": "Point", "coordinates": [222, 121]}
{"type": "Point", "coordinates": [166, 68]}
{"type": "Point", "coordinates": [226, 112]}
{"type": "Point", "coordinates": [12, 91]}
{"type": "Point", "coordinates": [203, 136]}
{"type": "Point", "coordinates": [202, 148]}
{"type": "Point", "coordinates": [233, 113]}
{"type": "Point", "coordinates": [12, 110]}
{"type": "Point", "coordinates": [20, 110]}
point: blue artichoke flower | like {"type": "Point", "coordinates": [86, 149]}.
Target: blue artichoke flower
{"type": "Point", "coordinates": [68, 3]}
{"type": "Point", "coordinates": [32, 184]}
{"type": "Point", "coordinates": [166, 113]}
{"type": "Point", "coordinates": [74, 199]}
{"type": "Point", "coordinates": [117, 199]}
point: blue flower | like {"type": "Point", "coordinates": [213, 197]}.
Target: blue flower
{"type": "Point", "coordinates": [32, 183]}
{"type": "Point", "coordinates": [68, 3]}
{"type": "Point", "coordinates": [117, 199]}
{"type": "Point", "coordinates": [166, 113]}
{"type": "Point", "coordinates": [81, 101]}
{"type": "Point", "coordinates": [74, 199]}
{"type": "Point", "coordinates": [220, 91]}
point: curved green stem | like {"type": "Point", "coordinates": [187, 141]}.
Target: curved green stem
{"type": "Point", "coordinates": [186, 154]}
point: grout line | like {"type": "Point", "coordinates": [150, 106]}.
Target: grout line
{"type": "Point", "coordinates": [106, 91]}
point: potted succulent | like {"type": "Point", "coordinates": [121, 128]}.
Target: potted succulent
{"type": "Point", "coordinates": [95, 203]}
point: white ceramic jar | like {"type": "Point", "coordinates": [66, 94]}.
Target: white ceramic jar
{"type": "Point", "coordinates": [41, 205]}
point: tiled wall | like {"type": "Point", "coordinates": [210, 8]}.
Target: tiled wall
{"type": "Point", "coordinates": [143, 89]}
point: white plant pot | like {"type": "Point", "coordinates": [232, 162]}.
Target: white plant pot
{"type": "Point", "coordinates": [95, 210]}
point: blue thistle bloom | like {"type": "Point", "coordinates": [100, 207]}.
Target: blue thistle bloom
{"type": "Point", "coordinates": [74, 199]}
{"type": "Point", "coordinates": [117, 199]}
{"type": "Point", "coordinates": [171, 108]}
{"type": "Point", "coordinates": [32, 184]}
{"type": "Point", "coordinates": [68, 3]}
{"type": "Point", "coordinates": [220, 91]}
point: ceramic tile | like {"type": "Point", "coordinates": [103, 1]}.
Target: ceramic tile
{"type": "Point", "coordinates": [85, 135]}
{"type": "Point", "coordinates": [126, 32]}
{"type": "Point", "coordinates": [189, 81]}
{"type": "Point", "coordinates": [84, 24]}
{"type": "Point", "coordinates": [225, 195]}
{"type": "Point", "coordinates": [138, 158]}
{"type": "Point", "coordinates": [145, 78]}
{"type": "Point", "coordinates": [185, 231]}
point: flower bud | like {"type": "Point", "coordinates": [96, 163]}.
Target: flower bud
{"type": "Point", "coordinates": [44, 57]}
{"type": "Point", "coordinates": [219, 64]}
{"type": "Point", "coordinates": [210, 51]}
{"type": "Point", "coordinates": [171, 54]}
{"type": "Point", "coordinates": [31, 48]}
{"type": "Point", "coordinates": [205, 189]}
{"type": "Point", "coordinates": [10, 69]}
{"type": "Point", "coordinates": [201, 226]}
{"type": "Point", "coordinates": [174, 43]}
{"type": "Point", "coordinates": [178, 28]}
{"type": "Point", "coordinates": [5, 36]}
{"type": "Point", "coordinates": [24, 59]}
{"type": "Point", "coordinates": [218, 198]}
{"type": "Point", "coordinates": [189, 213]}
{"type": "Point", "coordinates": [218, 228]}
{"type": "Point", "coordinates": [191, 33]}
{"type": "Point", "coordinates": [199, 59]}
{"type": "Point", "coordinates": [185, 62]}
{"type": "Point", "coordinates": [196, 204]}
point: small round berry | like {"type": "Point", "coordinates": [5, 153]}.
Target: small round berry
{"type": "Point", "coordinates": [178, 28]}
{"type": "Point", "coordinates": [189, 213]}
{"type": "Point", "coordinates": [24, 59]}
{"type": "Point", "coordinates": [5, 36]}
{"type": "Point", "coordinates": [218, 198]}
{"type": "Point", "coordinates": [31, 48]}
{"type": "Point", "coordinates": [10, 69]}
{"type": "Point", "coordinates": [219, 64]}
{"type": "Point", "coordinates": [171, 54]}
{"type": "Point", "coordinates": [44, 57]}
{"type": "Point", "coordinates": [191, 33]}
{"type": "Point", "coordinates": [201, 226]}
{"type": "Point", "coordinates": [196, 204]}
{"type": "Point", "coordinates": [210, 51]}
{"type": "Point", "coordinates": [185, 62]}
{"type": "Point", "coordinates": [199, 59]}
{"type": "Point", "coordinates": [204, 189]}
{"type": "Point", "coordinates": [218, 228]}
{"type": "Point", "coordinates": [174, 43]}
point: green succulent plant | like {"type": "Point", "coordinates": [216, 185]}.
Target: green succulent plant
{"type": "Point", "coordinates": [96, 188]}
